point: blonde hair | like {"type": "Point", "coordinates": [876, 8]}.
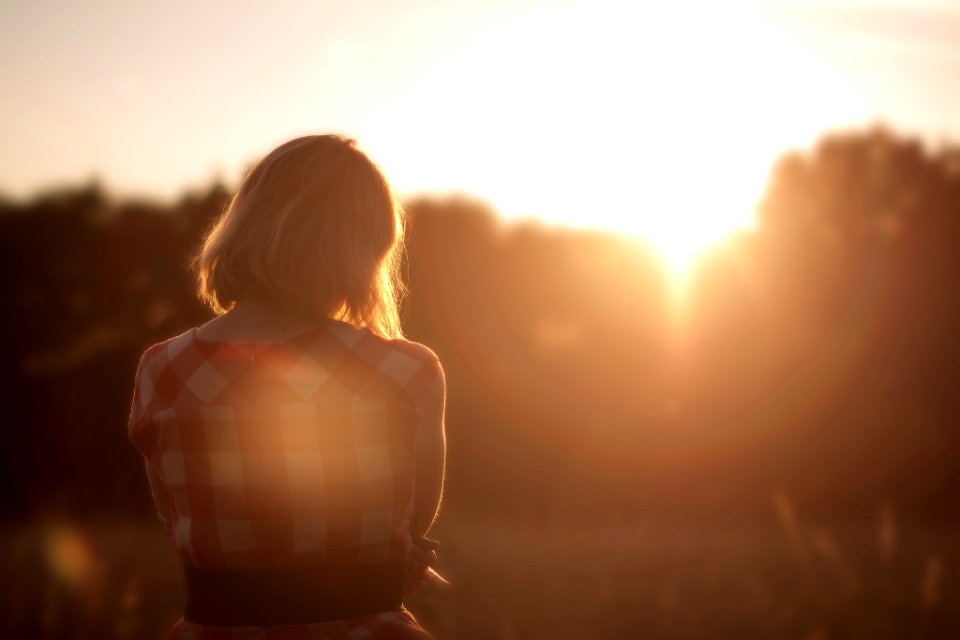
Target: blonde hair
{"type": "Point", "coordinates": [315, 228]}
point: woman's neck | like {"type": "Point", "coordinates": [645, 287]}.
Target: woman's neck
{"type": "Point", "coordinates": [259, 318]}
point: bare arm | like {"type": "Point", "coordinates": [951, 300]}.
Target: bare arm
{"type": "Point", "coordinates": [430, 453]}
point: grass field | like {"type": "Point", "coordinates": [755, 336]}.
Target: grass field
{"type": "Point", "coordinates": [783, 579]}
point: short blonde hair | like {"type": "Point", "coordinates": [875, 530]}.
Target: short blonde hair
{"type": "Point", "coordinates": [313, 227]}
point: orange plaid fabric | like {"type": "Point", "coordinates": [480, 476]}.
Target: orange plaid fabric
{"type": "Point", "coordinates": [292, 453]}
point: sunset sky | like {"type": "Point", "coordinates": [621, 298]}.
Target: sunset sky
{"type": "Point", "coordinates": [641, 119]}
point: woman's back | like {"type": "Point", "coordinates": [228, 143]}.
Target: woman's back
{"type": "Point", "coordinates": [296, 452]}
{"type": "Point", "coordinates": [295, 444]}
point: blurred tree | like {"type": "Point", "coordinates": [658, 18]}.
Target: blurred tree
{"type": "Point", "coordinates": [819, 353]}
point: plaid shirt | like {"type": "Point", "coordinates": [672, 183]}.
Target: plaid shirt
{"type": "Point", "coordinates": [299, 452]}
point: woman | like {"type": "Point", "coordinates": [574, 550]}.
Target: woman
{"type": "Point", "coordinates": [295, 444]}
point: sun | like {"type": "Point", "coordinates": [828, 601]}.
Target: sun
{"type": "Point", "coordinates": [655, 121]}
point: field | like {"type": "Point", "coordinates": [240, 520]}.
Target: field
{"type": "Point", "coordinates": [781, 578]}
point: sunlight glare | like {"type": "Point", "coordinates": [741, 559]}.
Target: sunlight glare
{"type": "Point", "coordinates": [656, 120]}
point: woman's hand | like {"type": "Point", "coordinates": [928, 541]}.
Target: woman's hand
{"type": "Point", "coordinates": [417, 564]}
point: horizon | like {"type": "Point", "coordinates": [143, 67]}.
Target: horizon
{"type": "Point", "coordinates": [486, 100]}
{"type": "Point", "coordinates": [708, 392]}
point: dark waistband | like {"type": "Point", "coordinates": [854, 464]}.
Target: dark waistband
{"type": "Point", "coordinates": [294, 595]}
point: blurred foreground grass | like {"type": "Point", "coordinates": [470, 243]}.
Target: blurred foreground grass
{"type": "Point", "coordinates": [120, 578]}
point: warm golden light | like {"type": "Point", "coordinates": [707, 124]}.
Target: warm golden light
{"type": "Point", "coordinates": [703, 386]}
{"type": "Point", "coordinates": [580, 113]}
{"type": "Point", "coordinates": [70, 556]}
{"type": "Point", "coordinates": [640, 120]}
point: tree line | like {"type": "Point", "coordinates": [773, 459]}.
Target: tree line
{"type": "Point", "coordinates": [817, 354]}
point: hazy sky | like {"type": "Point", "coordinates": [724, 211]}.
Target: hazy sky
{"type": "Point", "coordinates": [535, 105]}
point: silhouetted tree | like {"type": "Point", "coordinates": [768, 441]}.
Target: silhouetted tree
{"type": "Point", "coordinates": [819, 353]}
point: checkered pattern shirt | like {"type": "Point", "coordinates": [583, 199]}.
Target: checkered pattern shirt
{"type": "Point", "coordinates": [299, 452]}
